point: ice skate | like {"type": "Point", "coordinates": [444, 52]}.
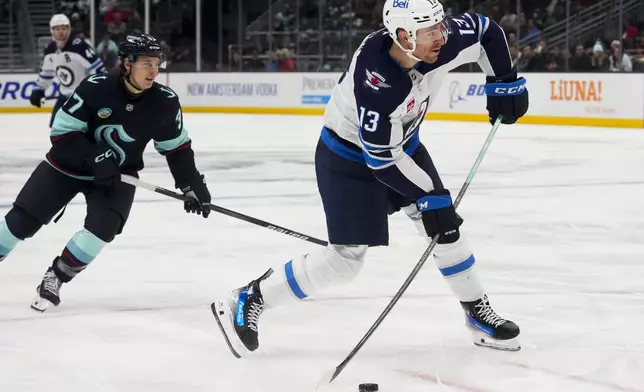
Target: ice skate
{"type": "Point", "coordinates": [48, 292]}
{"type": "Point", "coordinates": [238, 317]}
{"type": "Point", "coordinates": [488, 328]}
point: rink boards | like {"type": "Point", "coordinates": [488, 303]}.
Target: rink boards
{"type": "Point", "coordinates": [613, 100]}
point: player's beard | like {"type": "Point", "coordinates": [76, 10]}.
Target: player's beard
{"type": "Point", "coordinates": [61, 42]}
{"type": "Point", "coordinates": [429, 55]}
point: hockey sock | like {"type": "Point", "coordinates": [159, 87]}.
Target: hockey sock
{"type": "Point", "coordinates": [7, 240]}
{"type": "Point", "coordinates": [456, 263]}
{"type": "Point", "coordinates": [312, 273]}
{"type": "Point", "coordinates": [80, 251]}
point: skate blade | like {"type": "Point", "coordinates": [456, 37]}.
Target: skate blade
{"type": "Point", "coordinates": [40, 304]}
{"type": "Point", "coordinates": [223, 316]}
{"type": "Point", "coordinates": [481, 339]}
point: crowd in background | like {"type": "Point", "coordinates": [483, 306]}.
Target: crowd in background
{"type": "Point", "coordinates": [116, 18]}
{"type": "Point", "coordinates": [320, 35]}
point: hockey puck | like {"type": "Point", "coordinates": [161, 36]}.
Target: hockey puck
{"type": "Point", "coordinates": [368, 388]}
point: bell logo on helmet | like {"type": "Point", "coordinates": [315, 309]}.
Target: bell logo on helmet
{"type": "Point", "coordinates": [401, 3]}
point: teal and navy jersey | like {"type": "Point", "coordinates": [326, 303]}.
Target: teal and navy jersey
{"type": "Point", "coordinates": [101, 110]}
{"type": "Point", "coordinates": [68, 65]}
{"type": "Point", "coordinates": [377, 106]}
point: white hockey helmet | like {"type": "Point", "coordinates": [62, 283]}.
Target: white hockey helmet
{"type": "Point", "coordinates": [59, 20]}
{"type": "Point", "coordinates": [412, 15]}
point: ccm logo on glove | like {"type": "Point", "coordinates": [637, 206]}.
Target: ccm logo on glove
{"type": "Point", "coordinates": [103, 156]}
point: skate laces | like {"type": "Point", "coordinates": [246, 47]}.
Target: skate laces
{"type": "Point", "coordinates": [255, 310]}
{"type": "Point", "coordinates": [486, 313]}
{"type": "Point", "coordinates": [51, 282]}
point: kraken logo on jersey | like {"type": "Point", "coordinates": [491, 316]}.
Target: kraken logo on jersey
{"type": "Point", "coordinates": [95, 78]}
{"type": "Point", "coordinates": [65, 75]}
{"type": "Point", "coordinates": [171, 93]}
{"type": "Point", "coordinates": [106, 133]}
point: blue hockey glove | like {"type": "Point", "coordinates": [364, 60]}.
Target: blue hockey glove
{"type": "Point", "coordinates": [506, 96]}
{"type": "Point", "coordinates": [439, 216]}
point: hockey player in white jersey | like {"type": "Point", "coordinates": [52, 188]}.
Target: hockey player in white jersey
{"type": "Point", "coordinates": [370, 163]}
{"type": "Point", "coordinates": [69, 59]}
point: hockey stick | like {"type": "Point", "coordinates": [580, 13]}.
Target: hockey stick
{"type": "Point", "coordinates": [166, 192]}
{"type": "Point", "coordinates": [332, 375]}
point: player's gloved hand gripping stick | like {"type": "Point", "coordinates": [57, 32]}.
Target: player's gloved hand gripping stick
{"type": "Point", "coordinates": [141, 184]}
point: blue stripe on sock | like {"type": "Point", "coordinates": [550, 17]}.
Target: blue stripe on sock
{"type": "Point", "coordinates": [292, 282]}
{"type": "Point", "coordinates": [460, 267]}
{"type": "Point", "coordinates": [85, 246]}
{"type": "Point", "coordinates": [7, 240]}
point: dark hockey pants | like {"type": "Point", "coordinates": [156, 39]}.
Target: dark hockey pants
{"type": "Point", "coordinates": [47, 191]}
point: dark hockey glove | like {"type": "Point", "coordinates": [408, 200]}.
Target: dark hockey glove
{"type": "Point", "coordinates": [506, 96]}
{"type": "Point", "coordinates": [36, 97]}
{"type": "Point", "coordinates": [105, 167]}
{"type": "Point", "coordinates": [439, 216]}
{"type": "Point", "coordinates": [198, 196]}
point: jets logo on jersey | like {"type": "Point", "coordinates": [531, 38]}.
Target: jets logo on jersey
{"type": "Point", "coordinates": [375, 80]}
{"type": "Point", "coordinates": [65, 75]}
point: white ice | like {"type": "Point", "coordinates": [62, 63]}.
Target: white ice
{"type": "Point", "coordinates": [555, 216]}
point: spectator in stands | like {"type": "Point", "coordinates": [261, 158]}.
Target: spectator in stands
{"type": "Point", "coordinates": [630, 34]}
{"type": "Point", "coordinates": [272, 65]}
{"type": "Point", "coordinates": [515, 54]}
{"type": "Point", "coordinates": [123, 12]}
{"type": "Point", "coordinates": [106, 5]}
{"type": "Point", "coordinates": [512, 39]}
{"type": "Point", "coordinates": [619, 61]}
{"type": "Point", "coordinates": [255, 63]}
{"type": "Point", "coordinates": [287, 60]}
{"type": "Point", "coordinates": [509, 22]}
{"type": "Point", "coordinates": [581, 62]}
{"type": "Point", "coordinates": [108, 51]}
{"type": "Point", "coordinates": [555, 60]}
{"type": "Point", "coordinates": [532, 33]}
{"type": "Point", "coordinates": [167, 51]}
{"type": "Point", "coordinates": [540, 57]}
{"type": "Point", "coordinates": [117, 27]}
{"type": "Point", "coordinates": [526, 62]}
{"type": "Point", "coordinates": [599, 61]}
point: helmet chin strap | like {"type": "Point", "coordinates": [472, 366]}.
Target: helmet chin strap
{"type": "Point", "coordinates": [409, 52]}
{"type": "Point", "coordinates": [129, 81]}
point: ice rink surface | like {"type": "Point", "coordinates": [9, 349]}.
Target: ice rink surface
{"type": "Point", "coordinates": [555, 217]}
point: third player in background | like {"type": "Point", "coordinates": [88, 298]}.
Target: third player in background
{"type": "Point", "coordinates": [69, 59]}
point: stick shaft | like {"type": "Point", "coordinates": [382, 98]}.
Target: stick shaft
{"type": "Point", "coordinates": [166, 192]}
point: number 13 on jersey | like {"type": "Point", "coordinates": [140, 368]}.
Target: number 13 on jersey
{"type": "Point", "coordinates": [370, 123]}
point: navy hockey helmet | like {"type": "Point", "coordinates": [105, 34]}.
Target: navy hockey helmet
{"type": "Point", "coordinates": [135, 45]}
